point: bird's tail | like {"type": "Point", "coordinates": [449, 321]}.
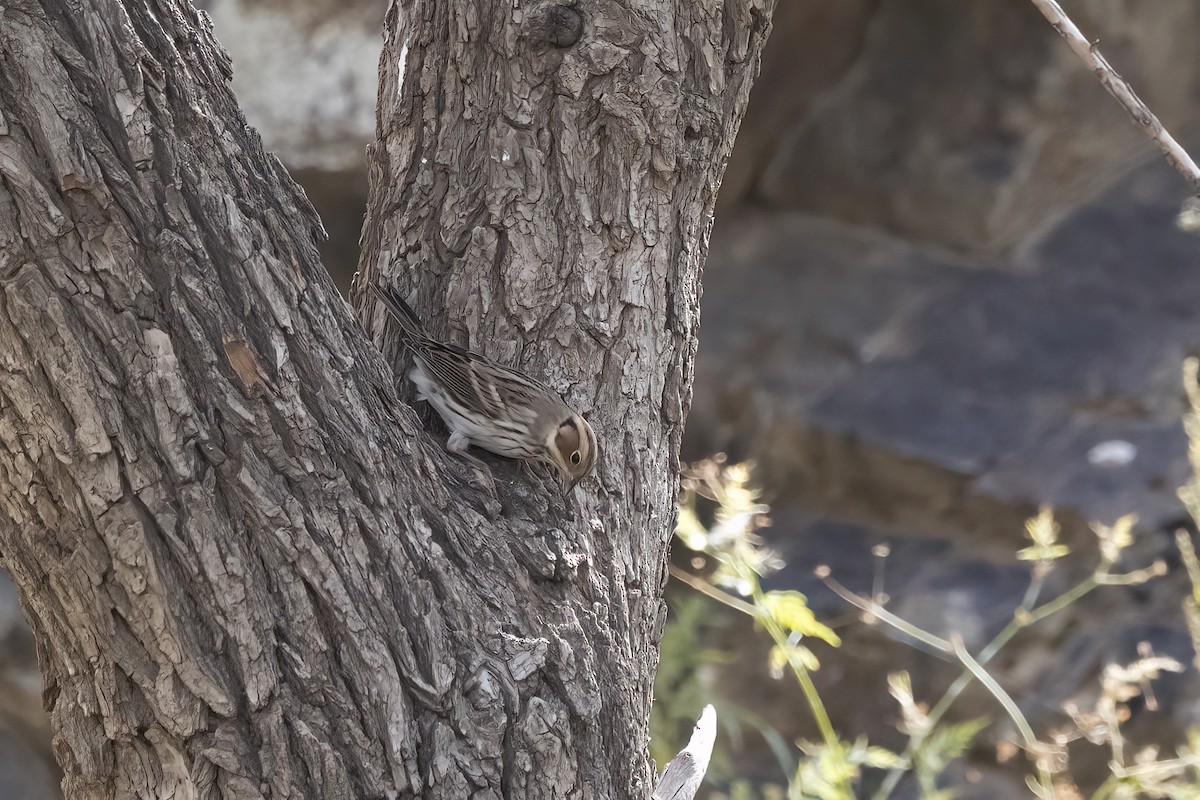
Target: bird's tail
{"type": "Point", "coordinates": [413, 329]}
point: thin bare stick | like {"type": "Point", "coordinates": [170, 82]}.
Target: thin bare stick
{"type": "Point", "coordinates": [704, 587]}
{"type": "Point", "coordinates": [1119, 88]}
{"type": "Point", "coordinates": [685, 772]}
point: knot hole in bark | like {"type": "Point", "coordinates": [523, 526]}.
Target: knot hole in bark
{"type": "Point", "coordinates": [558, 24]}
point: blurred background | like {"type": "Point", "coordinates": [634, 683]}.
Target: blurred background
{"type": "Point", "coordinates": [946, 287]}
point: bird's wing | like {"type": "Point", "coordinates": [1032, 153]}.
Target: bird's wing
{"type": "Point", "coordinates": [455, 370]}
{"type": "Point", "coordinates": [478, 384]}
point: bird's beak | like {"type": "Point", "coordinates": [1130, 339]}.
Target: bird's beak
{"type": "Point", "coordinates": [570, 487]}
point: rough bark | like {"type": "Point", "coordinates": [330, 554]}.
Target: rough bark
{"type": "Point", "coordinates": [251, 571]}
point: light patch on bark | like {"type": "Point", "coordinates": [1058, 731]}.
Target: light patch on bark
{"type": "Point", "coordinates": [242, 359]}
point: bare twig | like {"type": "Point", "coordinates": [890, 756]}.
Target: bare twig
{"type": "Point", "coordinates": [1119, 88]}
{"type": "Point", "coordinates": [704, 587]}
{"type": "Point", "coordinates": [685, 772]}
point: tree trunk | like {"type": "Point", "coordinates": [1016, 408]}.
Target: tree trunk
{"type": "Point", "coordinates": [250, 570]}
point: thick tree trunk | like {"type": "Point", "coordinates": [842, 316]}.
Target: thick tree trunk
{"type": "Point", "coordinates": [250, 570]}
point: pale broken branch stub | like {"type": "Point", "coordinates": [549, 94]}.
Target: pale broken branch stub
{"type": "Point", "coordinates": [685, 772]}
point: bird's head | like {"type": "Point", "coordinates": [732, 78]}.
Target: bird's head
{"type": "Point", "coordinates": [572, 448]}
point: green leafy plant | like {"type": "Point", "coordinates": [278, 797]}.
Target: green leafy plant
{"type": "Point", "coordinates": [832, 768]}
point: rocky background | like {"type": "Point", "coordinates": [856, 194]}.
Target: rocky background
{"type": "Point", "coordinates": [945, 287]}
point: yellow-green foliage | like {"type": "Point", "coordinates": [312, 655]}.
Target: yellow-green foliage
{"type": "Point", "coordinates": [833, 768]}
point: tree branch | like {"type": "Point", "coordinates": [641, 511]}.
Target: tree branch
{"type": "Point", "coordinates": [1120, 89]}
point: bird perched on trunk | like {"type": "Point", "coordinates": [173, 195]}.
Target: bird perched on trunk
{"type": "Point", "coordinates": [493, 407]}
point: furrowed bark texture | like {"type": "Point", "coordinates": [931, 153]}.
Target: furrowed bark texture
{"type": "Point", "coordinates": [542, 188]}
{"type": "Point", "coordinates": [251, 571]}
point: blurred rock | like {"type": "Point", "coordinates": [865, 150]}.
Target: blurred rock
{"type": "Point", "coordinates": [888, 381]}
{"type": "Point", "coordinates": [27, 767]}
{"type": "Point", "coordinates": [972, 782]}
{"type": "Point", "coordinates": [341, 200]}
{"type": "Point", "coordinates": [305, 75]}
{"type": "Point", "coordinates": [970, 124]}
{"type": "Point", "coordinates": [24, 773]}
{"type": "Point", "coordinates": [813, 43]}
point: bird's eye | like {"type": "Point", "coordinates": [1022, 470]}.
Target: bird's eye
{"type": "Point", "coordinates": [576, 458]}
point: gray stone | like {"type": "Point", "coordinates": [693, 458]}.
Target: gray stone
{"type": "Point", "coordinates": [11, 617]}
{"type": "Point", "coordinates": [24, 772]}
{"type": "Point", "coordinates": [305, 75]}
{"type": "Point", "coordinates": [971, 124]}
{"type": "Point", "coordinates": [27, 767]}
{"type": "Point", "coordinates": [813, 44]}
{"type": "Point", "coordinates": [873, 377]}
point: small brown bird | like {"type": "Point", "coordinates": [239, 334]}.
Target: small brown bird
{"type": "Point", "coordinates": [493, 407]}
